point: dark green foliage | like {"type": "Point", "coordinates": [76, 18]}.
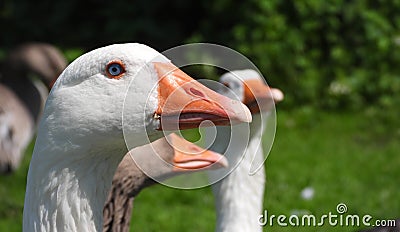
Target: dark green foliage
{"type": "Point", "coordinates": [90, 24]}
{"type": "Point", "coordinates": [331, 54]}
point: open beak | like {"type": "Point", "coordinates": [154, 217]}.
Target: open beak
{"type": "Point", "coordinates": [260, 97]}
{"type": "Point", "coordinates": [184, 103]}
{"type": "Point", "coordinates": [190, 157]}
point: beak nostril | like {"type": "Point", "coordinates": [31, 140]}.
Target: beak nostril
{"type": "Point", "coordinates": [197, 92]}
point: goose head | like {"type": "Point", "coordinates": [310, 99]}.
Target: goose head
{"type": "Point", "coordinates": [162, 159]}
{"type": "Point", "coordinates": [134, 89]}
{"type": "Point", "coordinates": [148, 164]}
{"type": "Point", "coordinates": [251, 89]}
{"type": "Point", "coordinates": [120, 91]}
{"type": "Point", "coordinates": [173, 155]}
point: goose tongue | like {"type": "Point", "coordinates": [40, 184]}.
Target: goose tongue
{"type": "Point", "coordinates": [184, 103]}
{"type": "Point", "coordinates": [190, 157]}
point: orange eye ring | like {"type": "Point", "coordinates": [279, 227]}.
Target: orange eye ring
{"type": "Point", "coordinates": [115, 69]}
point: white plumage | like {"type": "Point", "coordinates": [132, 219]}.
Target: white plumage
{"type": "Point", "coordinates": [81, 135]}
{"type": "Point", "coordinates": [239, 196]}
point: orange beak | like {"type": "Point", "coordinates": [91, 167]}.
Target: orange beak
{"type": "Point", "coordinates": [260, 97]}
{"type": "Point", "coordinates": [184, 103]}
{"type": "Point", "coordinates": [190, 157]}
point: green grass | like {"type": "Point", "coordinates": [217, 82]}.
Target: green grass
{"type": "Point", "coordinates": [340, 155]}
{"type": "Point", "coordinates": [342, 158]}
{"type": "Point", "coordinates": [12, 192]}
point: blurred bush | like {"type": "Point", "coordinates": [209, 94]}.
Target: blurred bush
{"type": "Point", "coordinates": [332, 54]}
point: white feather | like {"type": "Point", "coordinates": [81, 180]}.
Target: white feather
{"type": "Point", "coordinates": [239, 196]}
{"type": "Point", "coordinates": [80, 140]}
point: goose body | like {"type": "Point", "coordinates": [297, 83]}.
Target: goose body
{"type": "Point", "coordinates": [22, 97]}
{"type": "Point", "coordinates": [137, 168]}
{"type": "Point", "coordinates": [239, 195]}
{"type": "Point", "coordinates": [104, 98]}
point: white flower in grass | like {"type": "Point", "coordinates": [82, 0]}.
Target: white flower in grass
{"type": "Point", "coordinates": [307, 193]}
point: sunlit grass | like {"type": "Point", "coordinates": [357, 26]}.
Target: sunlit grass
{"type": "Point", "coordinates": [338, 155]}
{"type": "Point", "coordinates": [341, 159]}
{"type": "Point", "coordinates": [334, 154]}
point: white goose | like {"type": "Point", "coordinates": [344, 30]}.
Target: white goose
{"type": "Point", "coordinates": [239, 196]}
{"type": "Point", "coordinates": [178, 156]}
{"type": "Point", "coordinates": [80, 139]}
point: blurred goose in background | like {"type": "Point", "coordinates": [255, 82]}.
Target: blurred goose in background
{"type": "Point", "coordinates": [118, 95]}
{"type": "Point", "coordinates": [239, 196]}
{"type": "Point", "coordinates": [177, 157]}
{"type": "Point", "coordinates": [25, 79]}
{"type": "Point", "coordinates": [16, 130]}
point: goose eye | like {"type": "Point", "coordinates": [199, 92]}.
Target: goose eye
{"type": "Point", "coordinates": [115, 69]}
